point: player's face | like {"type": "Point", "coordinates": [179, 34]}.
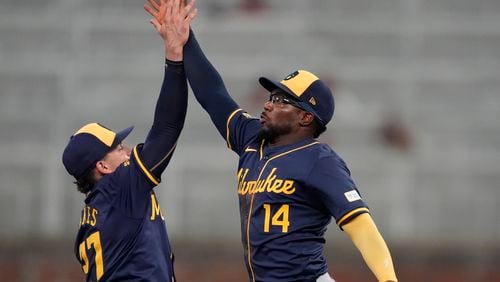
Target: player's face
{"type": "Point", "coordinates": [117, 156]}
{"type": "Point", "coordinates": [280, 116]}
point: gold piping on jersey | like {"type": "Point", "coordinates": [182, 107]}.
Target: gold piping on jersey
{"type": "Point", "coordinates": [105, 135]}
{"type": "Point", "coordinates": [253, 195]}
{"type": "Point", "coordinates": [248, 238]}
{"type": "Point", "coordinates": [361, 210]}
{"type": "Point", "coordinates": [164, 158]}
{"type": "Point", "coordinates": [227, 127]}
{"type": "Point", "coordinates": [261, 150]}
{"type": "Point", "coordinates": [144, 169]}
{"type": "Point", "coordinates": [300, 82]}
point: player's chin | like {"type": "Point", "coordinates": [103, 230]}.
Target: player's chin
{"type": "Point", "coordinates": [265, 132]}
{"type": "Point", "coordinates": [265, 125]}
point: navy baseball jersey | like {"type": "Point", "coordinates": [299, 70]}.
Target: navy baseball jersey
{"type": "Point", "coordinates": [287, 196]}
{"type": "Point", "coordinates": [122, 235]}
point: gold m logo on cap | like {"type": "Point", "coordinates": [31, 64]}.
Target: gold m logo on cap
{"type": "Point", "coordinates": [105, 135]}
{"type": "Point", "coordinates": [299, 81]}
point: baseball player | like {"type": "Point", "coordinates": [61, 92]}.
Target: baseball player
{"type": "Point", "coordinates": [122, 234]}
{"type": "Point", "coordinates": [289, 184]}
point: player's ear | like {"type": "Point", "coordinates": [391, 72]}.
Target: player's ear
{"type": "Point", "coordinates": [306, 118]}
{"type": "Point", "coordinates": [102, 167]}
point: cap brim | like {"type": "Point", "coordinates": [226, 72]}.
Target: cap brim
{"type": "Point", "coordinates": [271, 85]}
{"type": "Point", "coordinates": [121, 135]}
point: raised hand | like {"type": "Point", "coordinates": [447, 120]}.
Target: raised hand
{"type": "Point", "coordinates": [171, 19]}
{"type": "Point", "coordinates": [157, 10]}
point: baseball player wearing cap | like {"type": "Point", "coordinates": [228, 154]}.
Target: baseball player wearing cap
{"type": "Point", "coordinates": [289, 184]}
{"type": "Point", "coordinates": [122, 234]}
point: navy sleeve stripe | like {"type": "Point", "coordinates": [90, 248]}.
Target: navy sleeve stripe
{"type": "Point", "coordinates": [146, 172]}
{"type": "Point", "coordinates": [165, 158]}
{"type": "Point", "coordinates": [227, 127]}
{"type": "Point", "coordinates": [351, 215]}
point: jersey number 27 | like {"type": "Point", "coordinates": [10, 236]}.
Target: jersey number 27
{"type": "Point", "coordinates": [93, 241]}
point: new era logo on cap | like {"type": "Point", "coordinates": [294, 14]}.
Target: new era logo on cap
{"type": "Point", "coordinates": [312, 101]}
{"type": "Point", "coordinates": [312, 93]}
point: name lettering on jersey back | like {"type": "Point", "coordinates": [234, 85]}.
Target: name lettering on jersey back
{"type": "Point", "coordinates": [89, 216]}
{"type": "Point", "coordinates": [271, 184]}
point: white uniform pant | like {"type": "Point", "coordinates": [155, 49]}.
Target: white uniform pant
{"type": "Point", "coordinates": [325, 278]}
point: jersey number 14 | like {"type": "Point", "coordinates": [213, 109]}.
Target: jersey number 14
{"type": "Point", "coordinates": [280, 218]}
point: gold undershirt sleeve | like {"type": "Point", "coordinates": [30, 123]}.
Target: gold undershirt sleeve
{"type": "Point", "coordinates": [368, 240]}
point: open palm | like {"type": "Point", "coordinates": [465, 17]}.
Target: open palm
{"type": "Point", "coordinates": [171, 19]}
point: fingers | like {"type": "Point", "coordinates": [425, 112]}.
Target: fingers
{"type": "Point", "coordinates": [151, 11]}
{"type": "Point", "coordinates": [191, 16]}
{"type": "Point", "coordinates": [154, 4]}
{"type": "Point", "coordinates": [190, 5]}
{"type": "Point", "coordinates": [156, 24]}
{"type": "Point", "coordinates": [169, 11]}
{"type": "Point", "coordinates": [175, 6]}
{"type": "Point", "coordinates": [181, 5]}
{"type": "Point", "coordinates": [188, 10]}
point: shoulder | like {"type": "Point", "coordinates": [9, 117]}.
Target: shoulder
{"type": "Point", "coordinates": [99, 194]}
{"type": "Point", "coordinates": [115, 183]}
{"type": "Point", "coordinates": [327, 158]}
{"type": "Point", "coordinates": [323, 153]}
{"type": "Point", "coordinates": [328, 153]}
{"type": "Point", "coordinates": [240, 115]}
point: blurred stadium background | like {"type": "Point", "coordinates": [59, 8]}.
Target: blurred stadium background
{"type": "Point", "coordinates": [417, 119]}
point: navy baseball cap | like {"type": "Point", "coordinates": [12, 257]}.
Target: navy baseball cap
{"type": "Point", "coordinates": [89, 145]}
{"type": "Point", "coordinates": [311, 93]}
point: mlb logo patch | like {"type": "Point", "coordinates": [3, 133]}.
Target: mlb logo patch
{"type": "Point", "coordinates": [352, 196]}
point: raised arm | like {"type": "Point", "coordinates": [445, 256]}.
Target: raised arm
{"type": "Point", "coordinates": [171, 106]}
{"type": "Point", "coordinates": [207, 84]}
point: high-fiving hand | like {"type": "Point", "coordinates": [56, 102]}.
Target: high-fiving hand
{"type": "Point", "coordinates": [171, 19]}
